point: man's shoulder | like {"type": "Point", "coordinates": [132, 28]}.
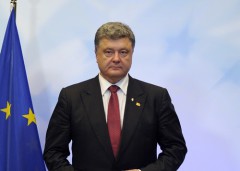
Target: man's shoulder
{"type": "Point", "coordinates": [82, 85]}
{"type": "Point", "coordinates": [149, 89]}
{"type": "Point", "coordinates": [147, 85]}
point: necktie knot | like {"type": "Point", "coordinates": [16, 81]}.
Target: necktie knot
{"type": "Point", "coordinates": [113, 88]}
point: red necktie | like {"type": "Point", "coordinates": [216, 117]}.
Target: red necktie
{"type": "Point", "coordinates": [113, 119]}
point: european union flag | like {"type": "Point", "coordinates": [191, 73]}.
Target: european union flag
{"type": "Point", "coordinates": [20, 148]}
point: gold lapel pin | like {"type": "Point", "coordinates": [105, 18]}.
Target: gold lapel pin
{"type": "Point", "coordinates": [138, 104]}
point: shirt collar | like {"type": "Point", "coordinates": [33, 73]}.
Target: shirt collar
{"type": "Point", "coordinates": [122, 84]}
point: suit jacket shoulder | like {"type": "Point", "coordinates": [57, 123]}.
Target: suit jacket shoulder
{"type": "Point", "coordinates": [84, 85]}
{"type": "Point", "coordinates": [148, 89]}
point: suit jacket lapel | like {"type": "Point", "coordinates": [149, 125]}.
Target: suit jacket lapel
{"type": "Point", "coordinates": [94, 106]}
{"type": "Point", "coordinates": [134, 105]}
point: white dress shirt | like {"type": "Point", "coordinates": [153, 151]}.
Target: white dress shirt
{"type": "Point", "coordinates": [122, 94]}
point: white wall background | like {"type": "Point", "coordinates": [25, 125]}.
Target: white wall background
{"type": "Point", "coordinates": [190, 47]}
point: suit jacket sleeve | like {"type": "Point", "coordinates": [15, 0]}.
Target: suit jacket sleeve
{"type": "Point", "coordinates": [58, 137]}
{"type": "Point", "coordinates": [170, 137]}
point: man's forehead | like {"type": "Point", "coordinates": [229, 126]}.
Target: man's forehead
{"type": "Point", "coordinates": [122, 41]}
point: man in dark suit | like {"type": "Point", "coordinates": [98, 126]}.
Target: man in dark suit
{"type": "Point", "coordinates": [125, 139]}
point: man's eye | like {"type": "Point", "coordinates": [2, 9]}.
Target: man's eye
{"type": "Point", "coordinates": [108, 53]}
{"type": "Point", "coordinates": [124, 53]}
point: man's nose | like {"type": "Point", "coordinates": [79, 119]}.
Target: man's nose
{"type": "Point", "coordinates": [116, 56]}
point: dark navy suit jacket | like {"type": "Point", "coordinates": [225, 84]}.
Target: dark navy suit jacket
{"type": "Point", "coordinates": [149, 119]}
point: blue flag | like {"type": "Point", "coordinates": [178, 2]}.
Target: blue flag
{"type": "Point", "coordinates": [20, 148]}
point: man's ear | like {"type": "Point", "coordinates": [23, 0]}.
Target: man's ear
{"type": "Point", "coordinates": [96, 57]}
{"type": "Point", "coordinates": [95, 51]}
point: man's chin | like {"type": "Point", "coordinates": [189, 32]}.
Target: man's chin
{"type": "Point", "coordinates": [116, 72]}
{"type": "Point", "coordinates": [116, 76]}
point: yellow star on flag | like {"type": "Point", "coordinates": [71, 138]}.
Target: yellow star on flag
{"type": "Point", "coordinates": [7, 110]}
{"type": "Point", "coordinates": [30, 116]}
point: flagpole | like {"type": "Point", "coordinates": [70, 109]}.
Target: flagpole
{"type": "Point", "coordinates": [14, 6]}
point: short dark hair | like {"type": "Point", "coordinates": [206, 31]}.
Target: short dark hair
{"type": "Point", "coordinates": [114, 31]}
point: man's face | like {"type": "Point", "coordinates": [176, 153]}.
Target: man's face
{"type": "Point", "coordinates": [114, 58]}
